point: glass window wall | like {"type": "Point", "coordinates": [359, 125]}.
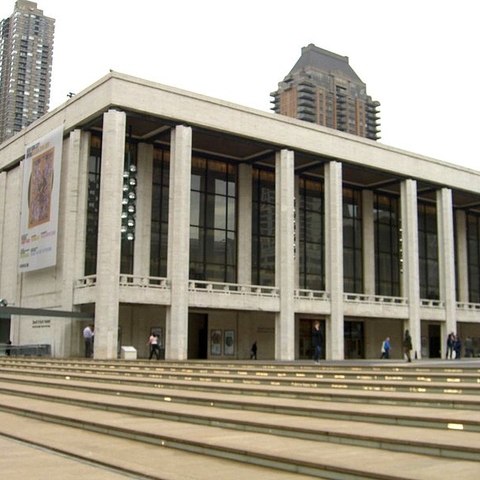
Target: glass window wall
{"type": "Point", "coordinates": [213, 236]}
{"type": "Point", "coordinates": [159, 225]}
{"type": "Point", "coordinates": [263, 228]}
{"type": "Point", "coordinates": [93, 205]}
{"type": "Point", "coordinates": [428, 251]}
{"type": "Point", "coordinates": [473, 252]}
{"type": "Point", "coordinates": [352, 241]}
{"type": "Point", "coordinates": [387, 245]}
{"type": "Point", "coordinates": [311, 234]}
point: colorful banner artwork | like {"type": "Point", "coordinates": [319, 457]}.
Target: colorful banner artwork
{"type": "Point", "coordinates": [40, 200]}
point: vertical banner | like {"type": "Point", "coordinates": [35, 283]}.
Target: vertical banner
{"type": "Point", "coordinates": [40, 200]}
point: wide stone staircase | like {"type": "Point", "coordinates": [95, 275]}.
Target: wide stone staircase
{"type": "Point", "coordinates": [62, 419]}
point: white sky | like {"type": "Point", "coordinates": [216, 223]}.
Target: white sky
{"type": "Point", "coordinates": [418, 58]}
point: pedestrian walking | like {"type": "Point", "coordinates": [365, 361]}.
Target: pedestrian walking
{"type": "Point", "coordinates": [253, 351]}
{"type": "Point", "coordinates": [154, 347]}
{"type": "Point", "coordinates": [386, 347]}
{"type": "Point", "coordinates": [407, 345]}
{"type": "Point", "coordinates": [88, 334]}
{"type": "Point", "coordinates": [317, 341]}
{"type": "Point", "coordinates": [450, 342]}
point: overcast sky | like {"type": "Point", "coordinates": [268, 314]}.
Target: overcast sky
{"type": "Point", "coordinates": [418, 58]}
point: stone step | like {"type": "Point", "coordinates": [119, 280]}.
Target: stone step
{"type": "Point", "coordinates": [55, 451]}
{"type": "Point", "coordinates": [308, 457]}
{"type": "Point", "coordinates": [465, 373]}
{"type": "Point", "coordinates": [449, 396]}
{"type": "Point", "coordinates": [391, 414]}
{"type": "Point", "coordinates": [451, 444]}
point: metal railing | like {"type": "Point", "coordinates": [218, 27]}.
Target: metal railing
{"type": "Point", "coordinates": [40, 350]}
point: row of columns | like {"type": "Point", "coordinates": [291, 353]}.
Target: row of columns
{"type": "Point", "coordinates": [109, 243]}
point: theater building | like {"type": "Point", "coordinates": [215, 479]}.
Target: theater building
{"type": "Point", "coordinates": [215, 225]}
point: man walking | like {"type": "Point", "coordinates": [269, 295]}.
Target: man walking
{"type": "Point", "coordinates": [88, 338]}
{"type": "Point", "coordinates": [407, 345]}
{"type": "Point", "coordinates": [317, 341]}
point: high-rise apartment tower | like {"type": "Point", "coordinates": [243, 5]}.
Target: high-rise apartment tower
{"type": "Point", "coordinates": [322, 88]}
{"type": "Point", "coordinates": [26, 53]}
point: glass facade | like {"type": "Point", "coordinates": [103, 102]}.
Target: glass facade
{"type": "Point", "coordinates": [159, 225]}
{"type": "Point", "coordinates": [352, 241]}
{"type": "Point", "coordinates": [387, 245]}
{"type": "Point", "coordinates": [93, 203]}
{"type": "Point", "coordinates": [263, 227]}
{"type": "Point", "coordinates": [428, 251]}
{"type": "Point", "coordinates": [213, 229]}
{"type": "Point", "coordinates": [473, 252]}
{"type": "Point", "coordinates": [310, 209]}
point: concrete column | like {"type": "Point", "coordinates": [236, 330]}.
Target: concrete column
{"type": "Point", "coordinates": [368, 243]}
{"type": "Point", "coordinates": [284, 255]}
{"type": "Point", "coordinates": [72, 215]}
{"type": "Point", "coordinates": [179, 243]}
{"type": "Point", "coordinates": [462, 255]}
{"type": "Point", "coordinates": [446, 260]}
{"type": "Point", "coordinates": [109, 236]}
{"type": "Point", "coordinates": [143, 224]}
{"type": "Point", "coordinates": [334, 259]}
{"type": "Point", "coordinates": [70, 199]}
{"type": "Point", "coordinates": [82, 201]}
{"type": "Point", "coordinates": [3, 192]}
{"type": "Point", "coordinates": [244, 232]}
{"type": "Point", "coordinates": [296, 232]}
{"type": "Point", "coordinates": [410, 264]}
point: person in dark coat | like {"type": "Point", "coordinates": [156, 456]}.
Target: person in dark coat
{"type": "Point", "coordinates": [450, 342]}
{"type": "Point", "coordinates": [457, 347]}
{"type": "Point", "coordinates": [317, 341]}
{"type": "Point", "coordinates": [253, 351]}
{"type": "Point", "coordinates": [407, 345]}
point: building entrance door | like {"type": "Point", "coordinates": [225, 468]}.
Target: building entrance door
{"type": "Point", "coordinates": [354, 340]}
{"type": "Point", "coordinates": [197, 335]}
{"type": "Point", "coordinates": [434, 341]}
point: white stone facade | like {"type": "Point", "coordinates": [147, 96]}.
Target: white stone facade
{"type": "Point", "coordinates": [194, 314]}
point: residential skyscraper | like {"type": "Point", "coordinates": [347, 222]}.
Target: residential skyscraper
{"type": "Point", "coordinates": [323, 88]}
{"type": "Point", "coordinates": [26, 53]}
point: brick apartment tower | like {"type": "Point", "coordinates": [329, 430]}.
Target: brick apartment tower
{"type": "Point", "coordinates": [322, 88]}
{"type": "Point", "coordinates": [26, 54]}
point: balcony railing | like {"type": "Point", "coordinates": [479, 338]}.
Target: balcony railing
{"type": "Point", "coordinates": [374, 299]}
{"type": "Point", "coordinates": [126, 281]}
{"type": "Point", "coordinates": [303, 294]}
{"type": "Point", "coordinates": [232, 288]}
{"type": "Point", "coordinates": [468, 306]}
{"type": "Point", "coordinates": [424, 302]}
{"type": "Point", "coordinates": [267, 291]}
{"type": "Point", "coordinates": [141, 281]}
